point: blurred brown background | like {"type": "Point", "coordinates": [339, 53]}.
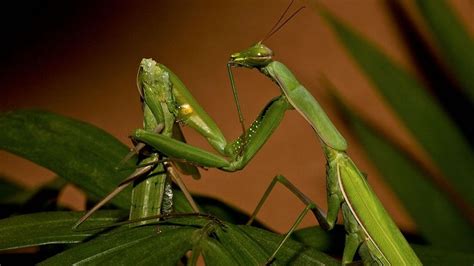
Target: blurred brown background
{"type": "Point", "coordinates": [80, 59]}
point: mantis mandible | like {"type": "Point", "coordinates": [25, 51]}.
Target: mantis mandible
{"type": "Point", "coordinates": [369, 228]}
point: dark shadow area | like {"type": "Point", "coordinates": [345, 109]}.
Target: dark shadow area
{"type": "Point", "coordinates": [443, 86]}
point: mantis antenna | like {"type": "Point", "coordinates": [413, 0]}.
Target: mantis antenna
{"type": "Point", "coordinates": [277, 26]}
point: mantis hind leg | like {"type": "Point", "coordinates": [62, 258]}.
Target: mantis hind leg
{"type": "Point", "coordinates": [140, 171]}
{"type": "Point", "coordinates": [326, 221]}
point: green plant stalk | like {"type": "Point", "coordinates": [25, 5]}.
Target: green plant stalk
{"type": "Point", "coordinates": [149, 194]}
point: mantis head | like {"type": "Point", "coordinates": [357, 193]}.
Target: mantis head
{"type": "Point", "coordinates": [258, 55]}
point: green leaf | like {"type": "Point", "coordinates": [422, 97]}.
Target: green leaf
{"type": "Point", "coordinates": [51, 228]}
{"type": "Point", "coordinates": [141, 245]}
{"type": "Point", "coordinates": [244, 250]}
{"type": "Point", "coordinates": [320, 239]}
{"type": "Point", "coordinates": [229, 244]}
{"type": "Point", "coordinates": [215, 253]}
{"type": "Point", "coordinates": [441, 257]}
{"type": "Point", "coordinates": [79, 152]}
{"type": "Point", "coordinates": [417, 109]}
{"type": "Point", "coordinates": [169, 240]}
{"type": "Point", "coordinates": [456, 46]}
{"type": "Point", "coordinates": [421, 198]}
{"type": "Point", "coordinates": [292, 252]}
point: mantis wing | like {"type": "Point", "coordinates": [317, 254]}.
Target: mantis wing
{"type": "Point", "coordinates": [372, 217]}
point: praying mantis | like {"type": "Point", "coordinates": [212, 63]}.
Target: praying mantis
{"type": "Point", "coordinates": [369, 228]}
{"type": "Point", "coordinates": [152, 194]}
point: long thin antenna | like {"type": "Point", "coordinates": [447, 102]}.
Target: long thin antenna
{"type": "Point", "coordinates": [275, 30]}
{"type": "Point", "coordinates": [279, 20]}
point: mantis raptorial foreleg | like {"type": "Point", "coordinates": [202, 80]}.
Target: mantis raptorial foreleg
{"type": "Point", "coordinates": [239, 153]}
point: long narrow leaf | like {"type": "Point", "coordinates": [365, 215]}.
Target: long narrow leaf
{"type": "Point", "coordinates": [79, 152]}
{"type": "Point", "coordinates": [215, 253]}
{"type": "Point", "coordinates": [292, 252]}
{"type": "Point", "coordinates": [416, 108]}
{"type": "Point", "coordinates": [141, 245]}
{"type": "Point", "coordinates": [316, 237]}
{"type": "Point", "coordinates": [50, 228]}
{"type": "Point", "coordinates": [243, 249]}
{"type": "Point", "coordinates": [169, 241]}
{"type": "Point", "coordinates": [455, 44]}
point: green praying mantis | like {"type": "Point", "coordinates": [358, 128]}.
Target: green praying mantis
{"type": "Point", "coordinates": [152, 193]}
{"type": "Point", "coordinates": [369, 227]}
{"type": "Point", "coordinates": [370, 230]}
